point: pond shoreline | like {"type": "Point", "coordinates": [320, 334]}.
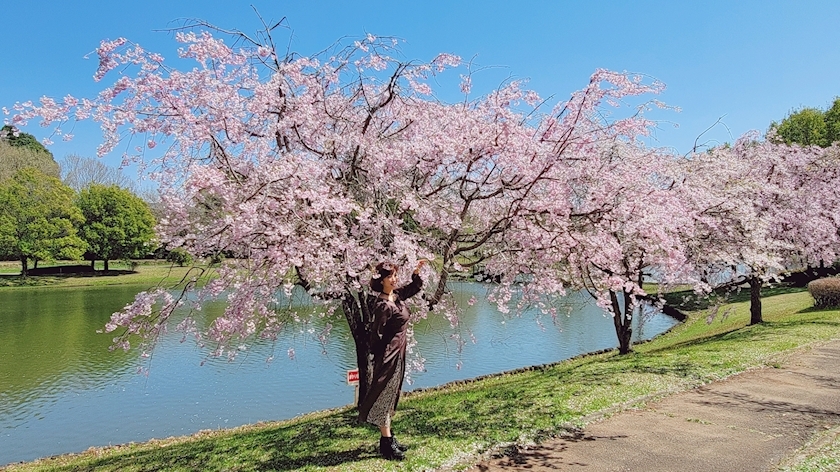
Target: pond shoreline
{"type": "Point", "coordinates": [500, 411]}
{"type": "Point", "coordinates": [65, 381]}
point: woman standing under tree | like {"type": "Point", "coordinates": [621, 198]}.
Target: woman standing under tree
{"type": "Point", "coordinates": [388, 342]}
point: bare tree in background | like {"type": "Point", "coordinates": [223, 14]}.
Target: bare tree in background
{"type": "Point", "coordinates": [79, 172]}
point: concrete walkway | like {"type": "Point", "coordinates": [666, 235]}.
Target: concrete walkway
{"type": "Point", "coordinates": [749, 422]}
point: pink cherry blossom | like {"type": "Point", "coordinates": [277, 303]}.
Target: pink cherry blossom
{"type": "Point", "coordinates": [308, 170]}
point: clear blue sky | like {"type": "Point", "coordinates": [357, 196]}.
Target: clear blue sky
{"type": "Point", "coordinates": [749, 62]}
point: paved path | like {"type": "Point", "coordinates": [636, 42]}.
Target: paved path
{"type": "Point", "coordinates": [749, 422]}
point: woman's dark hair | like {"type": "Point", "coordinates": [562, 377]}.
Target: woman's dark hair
{"type": "Point", "coordinates": [383, 269]}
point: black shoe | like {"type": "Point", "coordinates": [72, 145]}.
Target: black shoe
{"type": "Point", "coordinates": [388, 449]}
{"type": "Point", "coordinates": [402, 447]}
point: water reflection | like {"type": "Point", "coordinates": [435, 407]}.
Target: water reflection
{"type": "Point", "coordinates": [61, 390]}
{"type": "Point", "coordinates": [46, 340]}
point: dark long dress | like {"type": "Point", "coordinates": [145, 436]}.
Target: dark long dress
{"type": "Point", "coordinates": [388, 342]}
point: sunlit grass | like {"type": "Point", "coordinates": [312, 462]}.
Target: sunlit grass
{"type": "Point", "coordinates": [144, 274]}
{"type": "Point", "coordinates": [822, 454]}
{"type": "Point", "coordinates": [452, 426]}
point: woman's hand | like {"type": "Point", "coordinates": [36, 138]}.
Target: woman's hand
{"type": "Point", "coordinates": [420, 265]}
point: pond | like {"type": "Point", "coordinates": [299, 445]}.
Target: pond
{"type": "Point", "coordinates": [62, 390]}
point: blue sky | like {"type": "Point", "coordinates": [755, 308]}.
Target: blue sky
{"type": "Point", "coordinates": [747, 62]}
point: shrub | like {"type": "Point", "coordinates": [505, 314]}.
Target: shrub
{"type": "Point", "coordinates": [180, 257]}
{"type": "Point", "coordinates": [216, 259]}
{"type": "Point", "coordinates": [826, 292]}
{"type": "Point", "coordinates": [132, 264]}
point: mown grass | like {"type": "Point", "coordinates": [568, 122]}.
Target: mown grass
{"type": "Point", "coordinates": [146, 274]}
{"type": "Point", "coordinates": [450, 428]}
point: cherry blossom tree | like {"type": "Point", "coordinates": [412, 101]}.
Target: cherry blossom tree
{"type": "Point", "coordinates": [622, 223]}
{"type": "Point", "coordinates": [310, 169]}
{"type": "Point", "coordinates": [763, 209]}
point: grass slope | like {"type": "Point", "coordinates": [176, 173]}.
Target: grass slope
{"type": "Point", "coordinates": [450, 428]}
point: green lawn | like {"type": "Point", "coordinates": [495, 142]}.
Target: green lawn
{"type": "Point", "coordinates": [450, 427]}
{"type": "Point", "coordinates": [144, 273]}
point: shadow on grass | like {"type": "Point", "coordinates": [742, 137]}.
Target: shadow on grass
{"type": "Point", "coordinates": [816, 309]}
{"type": "Point", "coordinates": [329, 441]}
{"type": "Point", "coordinates": [687, 300]}
{"type": "Point", "coordinates": [287, 447]}
{"type": "Point", "coordinates": [651, 362]}
{"type": "Point", "coordinates": [751, 333]}
{"type": "Point", "coordinates": [16, 280]}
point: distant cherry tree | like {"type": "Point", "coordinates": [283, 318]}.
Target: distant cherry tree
{"type": "Point", "coordinates": [763, 209]}
{"type": "Point", "coordinates": [621, 225]}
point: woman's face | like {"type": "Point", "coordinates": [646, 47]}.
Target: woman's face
{"type": "Point", "coordinates": [389, 282]}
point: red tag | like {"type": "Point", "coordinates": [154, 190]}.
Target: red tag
{"type": "Point", "coordinates": [353, 377]}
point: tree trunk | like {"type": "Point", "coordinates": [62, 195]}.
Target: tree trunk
{"type": "Point", "coordinates": [441, 288]}
{"type": "Point", "coordinates": [93, 264]}
{"type": "Point", "coordinates": [24, 266]}
{"type": "Point", "coordinates": [358, 315]}
{"type": "Point", "coordinates": [106, 265]}
{"type": "Point", "coordinates": [755, 300]}
{"type": "Point", "coordinates": [623, 321]}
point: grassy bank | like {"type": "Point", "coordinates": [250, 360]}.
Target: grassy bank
{"type": "Point", "coordinates": [821, 454]}
{"type": "Point", "coordinates": [450, 427]}
{"type": "Point", "coordinates": [145, 274]}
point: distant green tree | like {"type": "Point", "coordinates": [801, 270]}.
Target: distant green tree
{"type": "Point", "coordinates": [38, 219]}
{"type": "Point", "coordinates": [117, 224]}
{"type": "Point", "coordinates": [14, 157]}
{"type": "Point", "coordinates": [24, 140]}
{"type": "Point", "coordinates": [805, 127]}
{"type": "Point", "coordinates": [832, 122]}
{"type": "Point", "coordinates": [810, 126]}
